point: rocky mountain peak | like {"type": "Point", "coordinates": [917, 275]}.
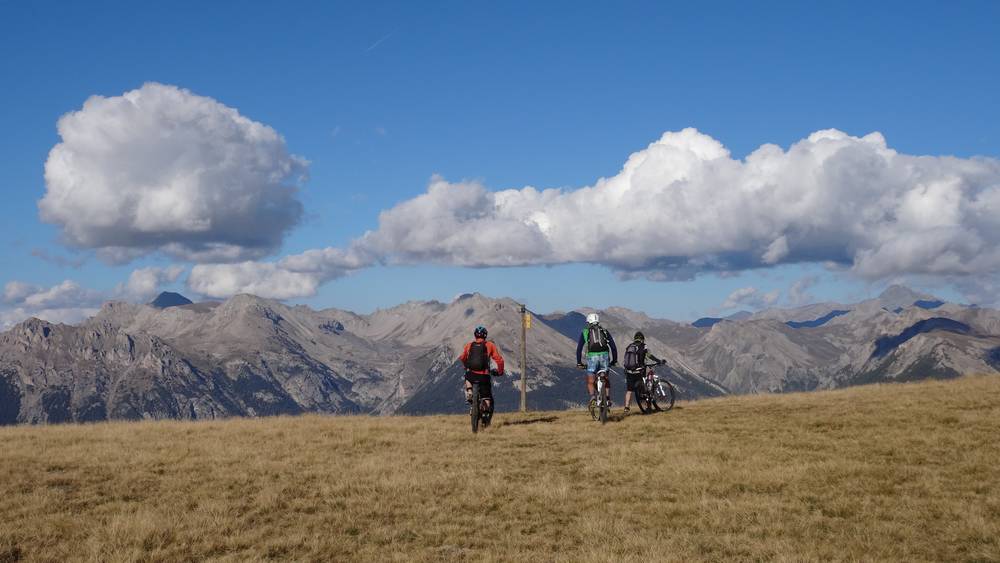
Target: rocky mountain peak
{"type": "Point", "coordinates": [31, 329]}
{"type": "Point", "coordinates": [896, 296]}
{"type": "Point", "coordinates": [245, 302]}
{"type": "Point", "coordinates": [245, 308]}
{"type": "Point", "coordinates": [169, 299]}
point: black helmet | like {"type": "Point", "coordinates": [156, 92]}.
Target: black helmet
{"type": "Point", "coordinates": [639, 336]}
{"type": "Point", "coordinates": [480, 332]}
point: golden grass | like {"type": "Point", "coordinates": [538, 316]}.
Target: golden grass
{"type": "Point", "coordinates": [903, 472]}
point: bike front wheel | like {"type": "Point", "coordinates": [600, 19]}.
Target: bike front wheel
{"type": "Point", "coordinates": [665, 396]}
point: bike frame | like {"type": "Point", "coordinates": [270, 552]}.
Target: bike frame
{"type": "Point", "coordinates": [602, 384]}
{"type": "Point", "coordinates": [652, 380]}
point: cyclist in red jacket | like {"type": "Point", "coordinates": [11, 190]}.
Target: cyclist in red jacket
{"type": "Point", "coordinates": [476, 359]}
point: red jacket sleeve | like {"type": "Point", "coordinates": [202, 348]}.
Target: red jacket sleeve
{"type": "Point", "coordinates": [495, 354]}
{"type": "Point", "coordinates": [465, 354]}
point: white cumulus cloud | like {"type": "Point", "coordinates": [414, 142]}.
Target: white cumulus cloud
{"type": "Point", "coordinates": [265, 279]}
{"type": "Point", "coordinates": [60, 296]}
{"type": "Point", "coordinates": [162, 169]}
{"type": "Point", "coordinates": [17, 291]}
{"type": "Point", "coordinates": [750, 297]}
{"type": "Point", "coordinates": [681, 207]}
{"type": "Point", "coordinates": [69, 302]}
{"type": "Point", "coordinates": [798, 293]}
{"type": "Point", "coordinates": [980, 290]}
{"type": "Point", "coordinates": [684, 206]}
{"type": "Point", "coordinates": [66, 302]}
{"type": "Point", "coordinates": [144, 284]}
{"type": "Point", "coordinates": [298, 275]}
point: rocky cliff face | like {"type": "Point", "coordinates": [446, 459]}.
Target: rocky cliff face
{"type": "Point", "coordinates": [254, 357]}
{"type": "Point", "coordinates": [60, 373]}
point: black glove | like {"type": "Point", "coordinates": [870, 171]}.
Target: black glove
{"type": "Point", "coordinates": [581, 366]}
{"type": "Point", "coordinates": [661, 362]}
{"type": "Point", "coordinates": [613, 363]}
{"type": "Point", "coordinates": [494, 373]}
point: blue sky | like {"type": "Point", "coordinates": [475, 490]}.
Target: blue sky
{"type": "Point", "coordinates": [379, 97]}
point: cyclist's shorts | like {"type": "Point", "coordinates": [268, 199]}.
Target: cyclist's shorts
{"type": "Point", "coordinates": [484, 381]}
{"type": "Point", "coordinates": [597, 362]}
{"type": "Point", "coordinates": [633, 380]}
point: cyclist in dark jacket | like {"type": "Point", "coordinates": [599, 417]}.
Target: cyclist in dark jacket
{"type": "Point", "coordinates": [633, 377]}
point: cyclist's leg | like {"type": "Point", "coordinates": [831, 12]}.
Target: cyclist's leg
{"type": "Point", "coordinates": [603, 363]}
{"type": "Point", "coordinates": [592, 366]}
{"type": "Point", "coordinates": [630, 382]}
{"type": "Point", "coordinates": [468, 389]}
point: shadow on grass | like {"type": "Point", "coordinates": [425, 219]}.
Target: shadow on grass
{"type": "Point", "coordinates": [614, 417]}
{"type": "Point", "coordinates": [637, 412]}
{"type": "Point", "coordinates": [11, 554]}
{"type": "Point", "coordinates": [619, 417]}
{"type": "Point", "coordinates": [535, 420]}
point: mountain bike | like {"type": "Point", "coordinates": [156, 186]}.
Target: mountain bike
{"type": "Point", "coordinates": [655, 393]}
{"type": "Point", "coordinates": [600, 407]}
{"type": "Point", "coordinates": [481, 409]}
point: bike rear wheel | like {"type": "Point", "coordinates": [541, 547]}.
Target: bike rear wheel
{"type": "Point", "coordinates": [474, 409]}
{"type": "Point", "coordinates": [665, 396]}
{"type": "Point", "coordinates": [602, 400]}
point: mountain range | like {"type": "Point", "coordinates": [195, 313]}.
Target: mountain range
{"type": "Point", "coordinates": [250, 356]}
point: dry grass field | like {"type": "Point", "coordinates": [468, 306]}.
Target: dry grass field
{"type": "Point", "coordinates": [904, 472]}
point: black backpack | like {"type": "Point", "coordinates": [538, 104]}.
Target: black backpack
{"type": "Point", "coordinates": [478, 359]}
{"type": "Point", "coordinates": [597, 340]}
{"type": "Point", "coordinates": [634, 356]}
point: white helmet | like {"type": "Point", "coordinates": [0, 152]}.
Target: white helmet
{"type": "Point", "coordinates": [593, 319]}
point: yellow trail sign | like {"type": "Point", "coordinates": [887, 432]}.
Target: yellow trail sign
{"type": "Point", "coordinates": [527, 320]}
